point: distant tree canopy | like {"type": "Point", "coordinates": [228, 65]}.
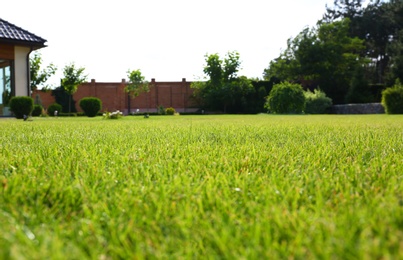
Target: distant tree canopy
{"type": "Point", "coordinates": [324, 56]}
{"type": "Point", "coordinates": [380, 25]}
{"type": "Point", "coordinates": [224, 90]}
{"type": "Point", "coordinates": [137, 83]}
{"type": "Point", "coordinates": [38, 76]}
{"type": "Point", "coordinates": [354, 50]}
{"type": "Point", "coordinates": [73, 77]}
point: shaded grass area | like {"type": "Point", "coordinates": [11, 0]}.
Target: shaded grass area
{"type": "Point", "coordinates": [225, 186]}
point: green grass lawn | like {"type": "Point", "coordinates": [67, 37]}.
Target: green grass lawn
{"type": "Point", "coordinates": [229, 186]}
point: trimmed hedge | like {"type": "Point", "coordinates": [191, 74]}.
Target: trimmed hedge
{"type": "Point", "coordinates": [392, 99]}
{"type": "Point", "coordinates": [286, 98]}
{"type": "Point", "coordinates": [54, 107]}
{"type": "Point", "coordinates": [170, 111]}
{"type": "Point", "coordinates": [37, 110]}
{"type": "Point", "coordinates": [91, 106]}
{"type": "Point", "coordinates": [21, 106]}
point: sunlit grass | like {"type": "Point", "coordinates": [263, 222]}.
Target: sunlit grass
{"type": "Point", "coordinates": [202, 187]}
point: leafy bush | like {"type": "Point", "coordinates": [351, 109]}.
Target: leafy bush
{"type": "Point", "coordinates": [286, 98]}
{"type": "Point", "coordinates": [161, 110]}
{"type": "Point", "coordinates": [37, 111]}
{"type": "Point", "coordinates": [21, 106]}
{"type": "Point", "coordinates": [91, 106]}
{"type": "Point", "coordinates": [392, 99]}
{"type": "Point", "coordinates": [53, 108]}
{"type": "Point", "coordinates": [316, 102]}
{"type": "Point", "coordinates": [170, 111]}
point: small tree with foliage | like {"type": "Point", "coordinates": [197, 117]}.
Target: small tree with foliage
{"type": "Point", "coordinates": [38, 76]}
{"type": "Point", "coordinates": [286, 98]}
{"type": "Point", "coordinates": [223, 88]}
{"type": "Point", "coordinates": [136, 85]}
{"type": "Point", "coordinates": [73, 77]}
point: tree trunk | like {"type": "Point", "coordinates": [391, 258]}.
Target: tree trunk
{"type": "Point", "coordinates": [128, 104]}
{"type": "Point", "coordinates": [70, 104]}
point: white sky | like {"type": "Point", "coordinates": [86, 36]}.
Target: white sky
{"type": "Point", "coordinates": [166, 40]}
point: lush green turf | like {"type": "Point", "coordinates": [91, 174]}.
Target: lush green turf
{"type": "Point", "coordinates": [327, 187]}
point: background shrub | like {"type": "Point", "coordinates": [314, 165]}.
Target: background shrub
{"type": "Point", "coordinates": [91, 106]}
{"type": "Point", "coordinates": [392, 99]}
{"type": "Point", "coordinates": [286, 98]}
{"type": "Point", "coordinates": [161, 110]}
{"type": "Point", "coordinates": [170, 111]}
{"type": "Point", "coordinates": [316, 102]}
{"type": "Point", "coordinates": [54, 107]}
{"type": "Point", "coordinates": [37, 111]}
{"type": "Point", "coordinates": [21, 106]}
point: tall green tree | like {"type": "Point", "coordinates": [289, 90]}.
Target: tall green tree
{"type": "Point", "coordinates": [395, 49]}
{"type": "Point", "coordinates": [73, 77]}
{"type": "Point", "coordinates": [38, 76]}
{"type": "Point", "coordinates": [379, 24]}
{"type": "Point", "coordinates": [136, 85]}
{"type": "Point", "coordinates": [357, 46]}
{"type": "Point", "coordinates": [345, 9]}
{"type": "Point", "coordinates": [324, 57]}
{"type": "Point", "coordinates": [224, 89]}
{"type": "Point", "coordinates": [213, 69]}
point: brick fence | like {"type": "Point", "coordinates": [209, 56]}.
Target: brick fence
{"type": "Point", "coordinates": [167, 94]}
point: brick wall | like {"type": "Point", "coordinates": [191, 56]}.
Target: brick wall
{"type": "Point", "coordinates": [44, 98]}
{"type": "Point", "coordinates": [167, 94]}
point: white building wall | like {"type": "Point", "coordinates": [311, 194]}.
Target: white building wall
{"type": "Point", "coordinates": [21, 70]}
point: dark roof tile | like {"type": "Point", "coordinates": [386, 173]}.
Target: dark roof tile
{"type": "Point", "coordinates": [9, 31]}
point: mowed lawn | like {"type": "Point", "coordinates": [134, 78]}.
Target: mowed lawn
{"type": "Point", "coordinates": [202, 187]}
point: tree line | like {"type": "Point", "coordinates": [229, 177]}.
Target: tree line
{"type": "Point", "coordinates": [354, 52]}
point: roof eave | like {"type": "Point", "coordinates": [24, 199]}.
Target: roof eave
{"type": "Point", "coordinates": [34, 45]}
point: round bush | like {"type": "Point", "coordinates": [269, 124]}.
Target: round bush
{"type": "Point", "coordinates": [170, 111]}
{"type": "Point", "coordinates": [91, 106]}
{"type": "Point", "coordinates": [37, 110]}
{"type": "Point", "coordinates": [316, 102]}
{"type": "Point", "coordinates": [21, 106]}
{"type": "Point", "coordinates": [286, 98]}
{"type": "Point", "coordinates": [392, 100]}
{"type": "Point", "coordinates": [54, 107]}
